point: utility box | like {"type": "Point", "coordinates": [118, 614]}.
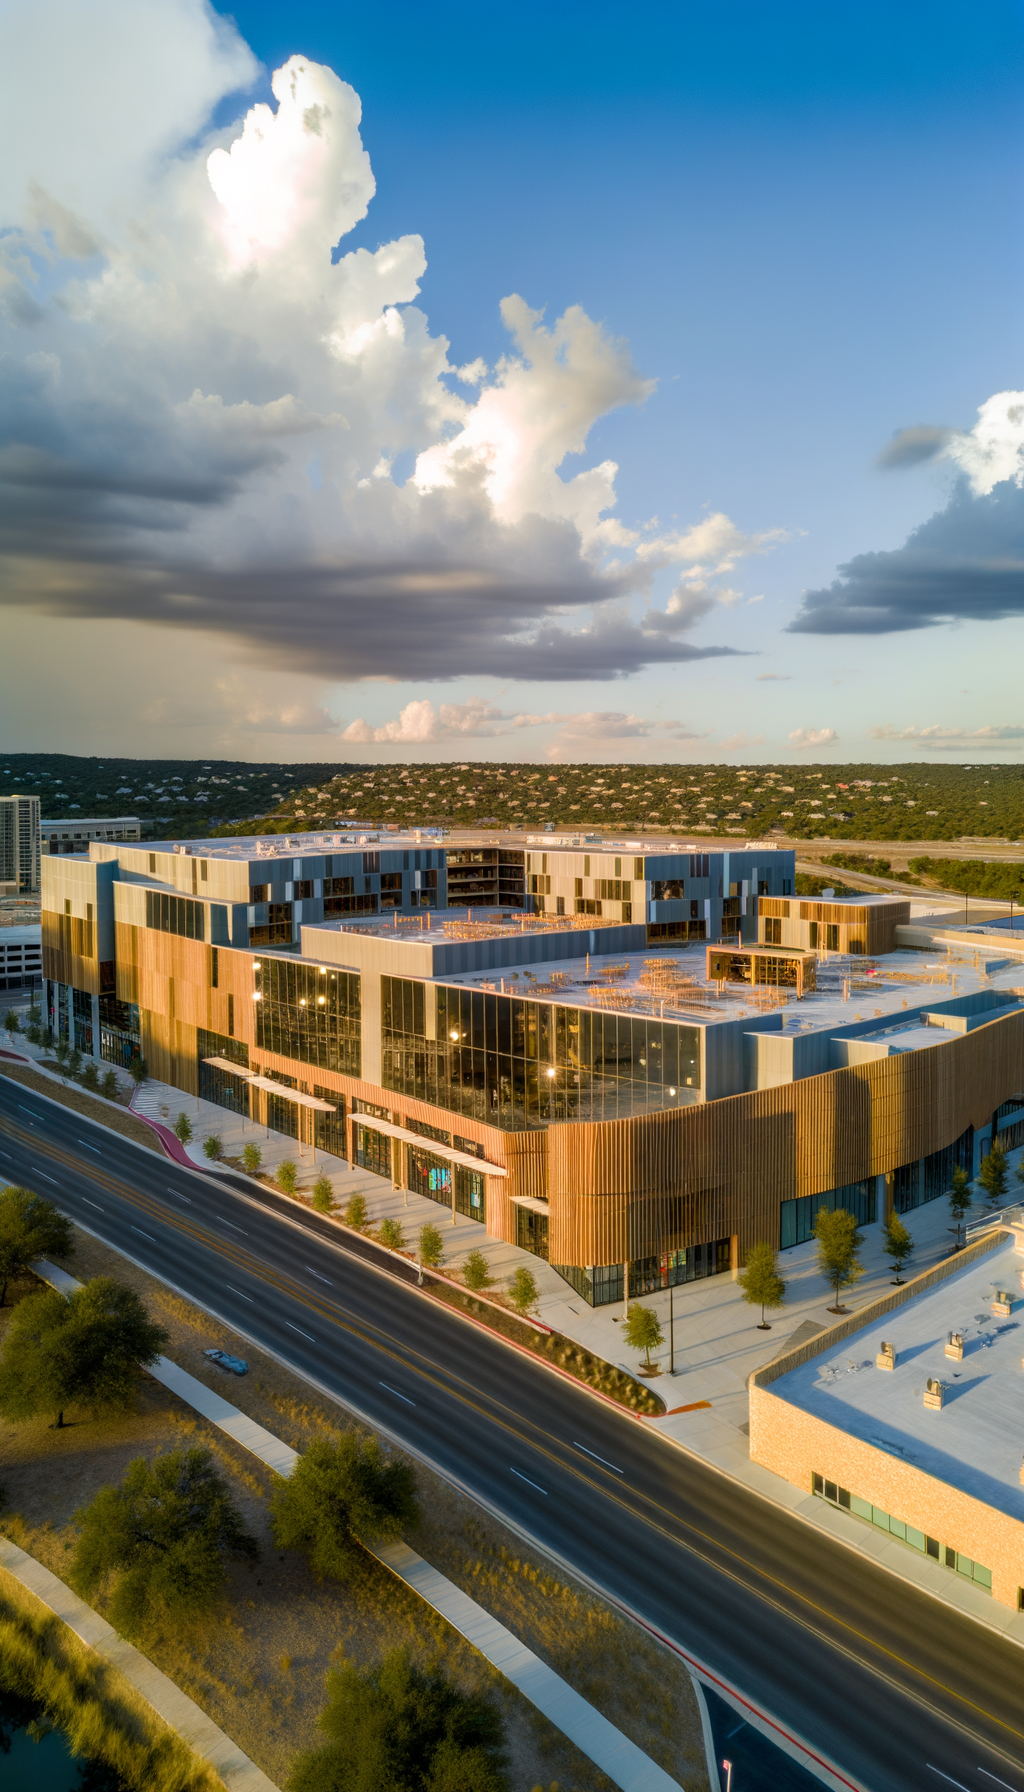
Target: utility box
{"type": "Point", "coordinates": [934, 1393]}
{"type": "Point", "coordinates": [886, 1358]}
{"type": "Point", "coordinates": [955, 1346]}
{"type": "Point", "coordinates": [1002, 1304]}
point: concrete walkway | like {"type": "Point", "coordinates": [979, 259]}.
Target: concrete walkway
{"type": "Point", "coordinates": [625, 1764]}
{"type": "Point", "coordinates": [176, 1709]}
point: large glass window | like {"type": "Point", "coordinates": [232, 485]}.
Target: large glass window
{"type": "Point", "coordinates": [929, 1178]}
{"type": "Point", "coordinates": [175, 914]}
{"type": "Point", "coordinates": [516, 1063]}
{"type": "Point", "coordinates": [798, 1217]}
{"type": "Point", "coordinates": [220, 1086]}
{"type": "Point", "coordinates": [310, 1014]}
{"type": "Point", "coordinates": [82, 1005]}
{"type": "Point", "coordinates": [120, 1038]}
{"type": "Point", "coordinates": [329, 1129]}
{"type": "Point", "coordinates": [373, 1150]}
{"type": "Point", "coordinates": [603, 1283]}
{"type": "Point", "coordinates": [440, 1180]}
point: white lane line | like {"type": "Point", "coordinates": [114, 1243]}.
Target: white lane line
{"type": "Point", "coordinates": [143, 1234]}
{"type": "Point", "coordinates": [33, 1111]}
{"type": "Point", "coordinates": [87, 1145]}
{"type": "Point", "coordinates": [238, 1291]}
{"type": "Point", "coordinates": [47, 1178]}
{"type": "Point", "coordinates": [945, 1776]}
{"type": "Point", "coordinates": [231, 1223]}
{"type": "Point", "coordinates": [995, 1776]}
{"type": "Point", "coordinates": [179, 1197]}
{"type": "Point", "coordinates": [597, 1458]}
{"type": "Point", "coordinates": [529, 1483]}
{"type": "Point", "coordinates": [320, 1278]}
{"type": "Point", "coordinates": [397, 1395]}
{"type": "Point", "coordinates": [7, 1155]}
{"type": "Point", "coordinates": [89, 1203]}
{"type": "Point", "coordinates": [298, 1328]}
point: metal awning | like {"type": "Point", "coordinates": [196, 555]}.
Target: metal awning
{"type": "Point", "coordinates": [439, 1150]}
{"type": "Point", "coordinates": [266, 1082]}
{"type": "Point", "coordinates": [531, 1201]}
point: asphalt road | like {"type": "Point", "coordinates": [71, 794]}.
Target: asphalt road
{"type": "Point", "coordinates": [899, 1692]}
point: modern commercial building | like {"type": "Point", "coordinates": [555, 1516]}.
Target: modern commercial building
{"type": "Point", "coordinates": [19, 845]}
{"type": "Point", "coordinates": [637, 1095]}
{"type": "Point", "coordinates": [906, 1416]}
{"type": "Point", "coordinates": [75, 834]}
{"type": "Point", "coordinates": [21, 958]}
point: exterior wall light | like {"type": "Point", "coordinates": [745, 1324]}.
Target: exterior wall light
{"type": "Point", "coordinates": [322, 1000]}
{"type": "Point", "coordinates": [454, 1033]}
{"type": "Point", "coordinates": [256, 965]}
{"type": "Point", "coordinates": [302, 1001]}
{"type": "Point", "coordinates": [671, 1091]}
{"type": "Point", "coordinates": [257, 995]}
{"type": "Point", "coordinates": [551, 1073]}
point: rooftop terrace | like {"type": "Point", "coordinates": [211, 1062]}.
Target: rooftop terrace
{"type": "Point", "coordinates": [975, 1441]}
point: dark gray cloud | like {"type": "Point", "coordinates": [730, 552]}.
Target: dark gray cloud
{"type": "Point", "coordinates": [965, 564]}
{"type": "Point", "coordinates": [909, 447]}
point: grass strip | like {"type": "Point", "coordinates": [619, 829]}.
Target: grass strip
{"type": "Point", "coordinates": [94, 1107]}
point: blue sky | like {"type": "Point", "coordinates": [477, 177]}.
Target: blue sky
{"type": "Point", "coordinates": [805, 222]}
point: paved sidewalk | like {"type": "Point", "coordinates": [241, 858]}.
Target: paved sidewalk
{"type": "Point", "coordinates": [176, 1709]}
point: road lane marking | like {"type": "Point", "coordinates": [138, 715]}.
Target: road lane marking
{"type": "Point", "coordinates": [143, 1234]}
{"type": "Point", "coordinates": [33, 1111]}
{"type": "Point", "coordinates": [529, 1483]}
{"type": "Point", "coordinates": [945, 1776]}
{"type": "Point", "coordinates": [87, 1145]}
{"type": "Point", "coordinates": [238, 1291]}
{"type": "Point", "coordinates": [7, 1155]}
{"type": "Point", "coordinates": [597, 1458]}
{"type": "Point", "coordinates": [231, 1223]}
{"type": "Point", "coordinates": [89, 1203]}
{"type": "Point", "coordinates": [995, 1776]}
{"type": "Point", "coordinates": [179, 1197]}
{"type": "Point", "coordinates": [397, 1395]}
{"type": "Point", "coordinates": [320, 1278]}
{"type": "Point", "coordinates": [47, 1178]}
{"type": "Point", "coordinates": [298, 1328]}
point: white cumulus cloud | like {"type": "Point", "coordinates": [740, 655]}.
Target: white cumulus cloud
{"type": "Point", "coordinates": [813, 737]}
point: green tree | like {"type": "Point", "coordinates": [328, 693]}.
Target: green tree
{"type": "Point", "coordinates": [87, 1350]}
{"type": "Point", "coordinates": [74, 1061]}
{"type": "Point", "coordinates": [761, 1282]}
{"type": "Point", "coordinates": [431, 1246]}
{"type": "Point", "coordinates": [838, 1244]}
{"type": "Point", "coordinates": [392, 1235]}
{"type": "Point", "coordinates": [287, 1176]}
{"type": "Point", "coordinates": [91, 1076]}
{"type": "Point", "coordinates": [12, 1024]}
{"type": "Point", "coordinates": [110, 1085]}
{"type": "Point", "coordinates": [252, 1157]}
{"type": "Point", "coordinates": [342, 1492]}
{"type": "Point", "coordinates": [213, 1147]}
{"type": "Point", "coordinates": [183, 1129]}
{"type": "Point", "coordinates": [396, 1728]}
{"type": "Point", "coordinates": [475, 1271]}
{"type": "Point", "coordinates": [898, 1243]}
{"type": "Point", "coordinates": [995, 1172]}
{"type": "Point", "coordinates": [323, 1195]}
{"type": "Point", "coordinates": [34, 1025]}
{"type": "Point", "coordinates": [354, 1212]}
{"type": "Point", "coordinates": [138, 1069]}
{"type": "Point", "coordinates": [166, 1534]}
{"type": "Point", "coordinates": [642, 1330]}
{"type": "Point", "coordinates": [30, 1227]}
{"type": "Point", "coordinates": [62, 1052]}
{"type": "Point", "coordinates": [522, 1289]}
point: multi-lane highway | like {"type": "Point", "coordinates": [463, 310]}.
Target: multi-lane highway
{"type": "Point", "coordinates": [898, 1691]}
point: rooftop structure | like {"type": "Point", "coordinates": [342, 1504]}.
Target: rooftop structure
{"type": "Point", "coordinates": [73, 833]}
{"type": "Point", "coordinates": [914, 1420]}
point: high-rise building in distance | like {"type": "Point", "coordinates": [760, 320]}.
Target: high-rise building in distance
{"type": "Point", "coordinates": [19, 845]}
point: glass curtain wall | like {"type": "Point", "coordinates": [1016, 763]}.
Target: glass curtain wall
{"type": "Point", "coordinates": [929, 1178]}
{"type": "Point", "coordinates": [797, 1217]}
{"type": "Point", "coordinates": [82, 1005]}
{"type": "Point", "coordinates": [517, 1063]}
{"type": "Point", "coordinates": [120, 1037]}
{"type": "Point", "coordinates": [217, 1085]}
{"type": "Point", "coordinates": [603, 1283]}
{"type": "Point", "coordinates": [309, 1014]}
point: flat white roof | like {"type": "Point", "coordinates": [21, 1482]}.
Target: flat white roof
{"type": "Point", "coordinates": [975, 1442]}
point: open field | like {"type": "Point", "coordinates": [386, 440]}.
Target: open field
{"type": "Point", "coordinates": [259, 1671]}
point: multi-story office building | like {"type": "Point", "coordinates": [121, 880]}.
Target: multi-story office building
{"type": "Point", "coordinates": [638, 1098]}
{"type": "Point", "coordinates": [21, 958]}
{"type": "Point", "coordinates": [19, 845]}
{"type": "Point", "coordinates": [75, 834]}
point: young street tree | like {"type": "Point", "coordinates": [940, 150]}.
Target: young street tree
{"type": "Point", "coordinates": [354, 1212]}
{"type": "Point", "coordinates": [12, 1023]}
{"type": "Point", "coordinates": [342, 1492]}
{"type": "Point", "coordinates": [87, 1350]}
{"type": "Point", "coordinates": [899, 1245]}
{"type": "Point", "coordinates": [138, 1069]}
{"type": "Point", "coordinates": [431, 1246]}
{"type": "Point", "coordinates": [323, 1195]}
{"type": "Point", "coordinates": [838, 1244]}
{"type": "Point", "coordinates": [395, 1728]}
{"type": "Point", "coordinates": [29, 1228]}
{"type": "Point", "coordinates": [392, 1235]}
{"type": "Point", "coordinates": [642, 1330]}
{"type": "Point", "coordinates": [995, 1172]}
{"type": "Point", "coordinates": [522, 1289]}
{"type": "Point", "coordinates": [761, 1282]}
{"type": "Point", "coordinates": [475, 1272]}
{"type": "Point", "coordinates": [183, 1129]}
{"type": "Point", "coordinates": [252, 1157]}
{"type": "Point", "coordinates": [167, 1533]}
{"type": "Point", "coordinates": [288, 1175]}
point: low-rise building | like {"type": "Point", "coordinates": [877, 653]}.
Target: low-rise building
{"type": "Point", "coordinates": [21, 958]}
{"type": "Point", "coordinates": [907, 1416]}
{"type": "Point", "coordinates": [74, 834]}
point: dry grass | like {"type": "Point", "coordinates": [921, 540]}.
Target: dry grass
{"type": "Point", "coordinates": [259, 1670]}
{"type": "Point", "coordinates": [95, 1107]}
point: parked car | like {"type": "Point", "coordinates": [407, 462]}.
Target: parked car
{"type": "Point", "coordinates": [233, 1364]}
